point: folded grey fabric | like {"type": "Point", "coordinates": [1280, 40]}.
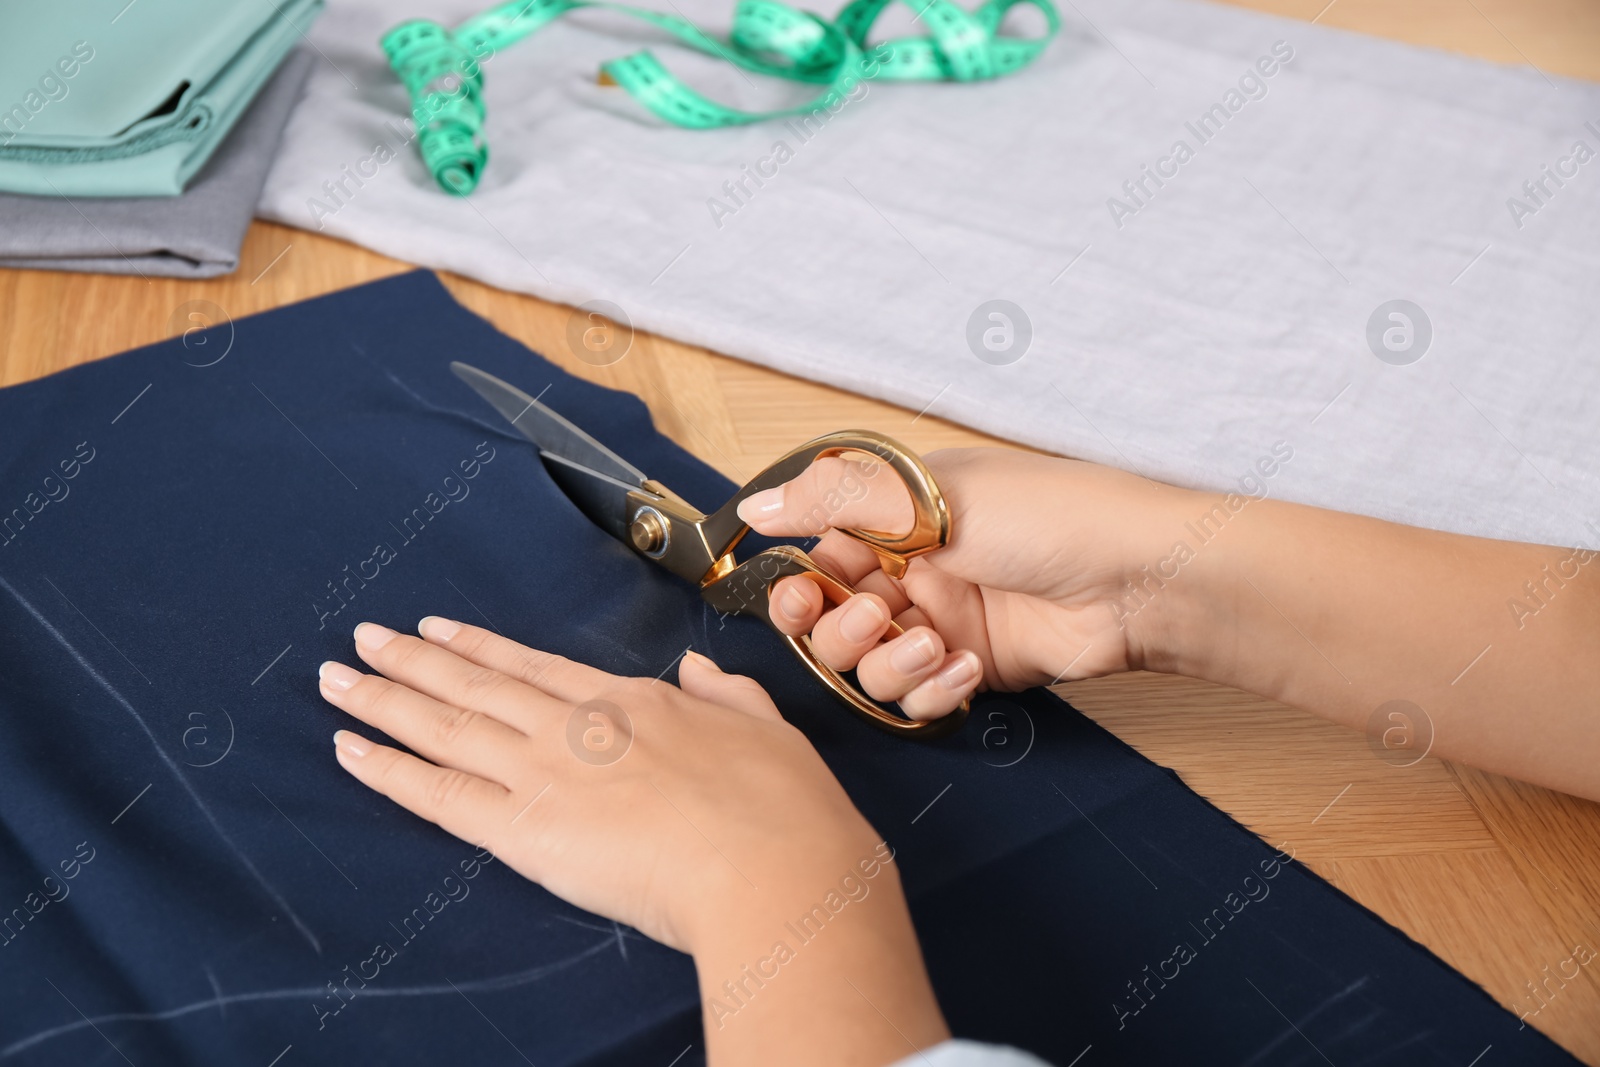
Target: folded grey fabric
{"type": "Point", "coordinates": [195, 235]}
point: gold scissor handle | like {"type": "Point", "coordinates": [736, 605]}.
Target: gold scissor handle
{"type": "Point", "coordinates": [747, 586]}
{"type": "Point", "coordinates": [930, 526]}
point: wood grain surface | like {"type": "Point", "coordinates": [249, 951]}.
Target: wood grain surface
{"type": "Point", "coordinates": [1500, 879]}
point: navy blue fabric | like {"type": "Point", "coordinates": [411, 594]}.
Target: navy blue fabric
{"type": "Point", "coordinates": [162, 742]}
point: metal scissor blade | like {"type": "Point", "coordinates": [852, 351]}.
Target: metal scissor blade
{"type": "Point", "coordinates": [556, 437]}
{"type": "Point", "coordinates": [603, 499]}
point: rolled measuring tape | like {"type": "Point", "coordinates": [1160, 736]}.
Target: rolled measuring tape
{"type": "Point", "coordinates": [442, 69]}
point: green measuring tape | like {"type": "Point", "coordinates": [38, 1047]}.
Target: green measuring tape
{"type": "Point", "coordinates": [442, 69]}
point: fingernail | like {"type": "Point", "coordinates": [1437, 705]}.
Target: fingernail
{"type": "Point", "coordinates": [437, 629]}
{"type": "Point", "coordinates": [862, 619]}
{"type": "Point", "coordinates": [913, 653]}
{"type": "Point", "coordinates": [762, 505]}
{"type": "Point", "coordinates": [352, 745]}
{"type": "Point", "coordinates": [337, 675]}
{"type": "Point", "coordinates": [793, 605]}
{"type": "Point", "coordinates": [959, 673]}
{"type": "Point", "coordinates": [705, 660]}
{"type": "Point", "coordinates": [371, 636]}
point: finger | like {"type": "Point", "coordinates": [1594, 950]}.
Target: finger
{"type": "Point", "coordinates": [844, 557]}
{"type": "Point", "coordinates": [465, 805]}
{"type": "Point", "coordinates": [449, 679]}
{"type": "Point", "coordinates": [845, 634]}
{"type": "Point", "coordinates": [957, 609]}
{"type": "Point", "coordinates": [832, 493]}
{"type": "Point", "coordinates": [700, 677]}
{"type": "Point", "coordinates": [955, 680]}
{"type": "Point", "coordinates": [554, 675]}
{"type": "Point", "coordinates": [455, 737]}
{"type": "Point", "coordinates": [896, 667]}
{"type": "Point", "coordinates": [795, 604]}
{"type": "Point", "coordinates": [913, 616]}
{"type": "Point", "coordinates": [855, 564]}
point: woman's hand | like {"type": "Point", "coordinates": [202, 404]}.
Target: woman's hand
{"type": "Point", "coordinates": [1030, 590]}
{"type": "Point", "coordinates": [696, 815]}
{"type": "Point", "coordinates": [1058, 570]}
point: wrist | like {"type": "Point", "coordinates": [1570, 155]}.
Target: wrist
{"type": "Point", "coordinates": [1227, 612]}
{"type": "Point", "coordinates": [793, 899]}
{"type": "Point", "coordinates": [837, 946]}
{"type": "Point", "coordinates": [1179, 606]}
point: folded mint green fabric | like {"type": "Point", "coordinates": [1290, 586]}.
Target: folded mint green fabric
{"type": "Point", "coordinates": [196, 235]}
{"type": "Point", "coordinates": [111, 98]}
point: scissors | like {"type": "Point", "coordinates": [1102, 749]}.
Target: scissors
{"type": "Point", "coordinates": [661, 526]}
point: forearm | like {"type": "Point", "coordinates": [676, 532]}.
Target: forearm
{"type": "Point", "coordinates": [791, 982]}
{"type": "Point", "coordinates": [1498, 643]}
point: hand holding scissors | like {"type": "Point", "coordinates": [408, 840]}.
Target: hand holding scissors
{"type": "Point", "coordinates": [1025, 593]}
{"type": "Point", "coordinates": [665, 528]}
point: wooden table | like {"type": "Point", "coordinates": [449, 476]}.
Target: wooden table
{"type": "Point", "coordinates": [1500, 879]}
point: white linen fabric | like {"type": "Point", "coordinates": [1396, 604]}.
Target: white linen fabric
{"type": "Point", "coordinates": [1203, 214]}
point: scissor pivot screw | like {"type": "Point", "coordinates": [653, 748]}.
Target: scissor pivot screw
{"type": "Point", "coordinates": [648, 532]}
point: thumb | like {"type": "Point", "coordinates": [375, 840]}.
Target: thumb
{"type": "Point", "coordinates": [700, 677]}
{"type": "Point", "coordinates": [832, 493]}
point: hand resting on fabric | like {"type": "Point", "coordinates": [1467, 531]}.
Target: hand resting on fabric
{"type": "Point", "coordinates": [1058, 570]}
{"type": "Point", "coordinates": [715, 823]}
